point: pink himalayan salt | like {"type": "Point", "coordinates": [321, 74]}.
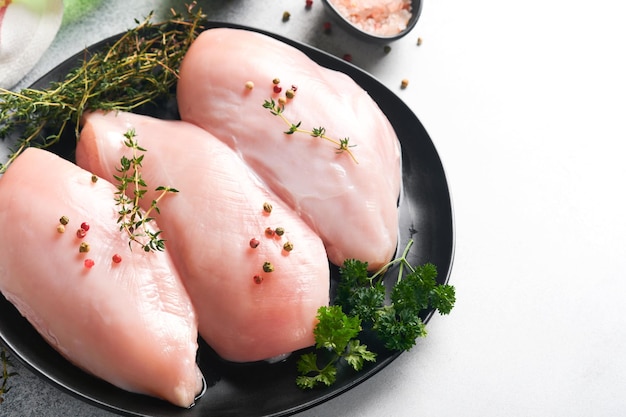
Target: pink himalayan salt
{"type": "Point", "coordinates": [378, 17]}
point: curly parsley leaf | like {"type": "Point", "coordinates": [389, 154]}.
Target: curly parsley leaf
{"type": "Point", "coordinates": [353, 275]}
{"type": "Point", "coordinates": [335, 329]}
{"type": "Point", "coordinates": [443, 298]}
{"type": "Point", "coordinates": [399, 329]}
{"type": "Point", "coordinates": [335, 332]}
{"type": "Point", "coordinates": [311, 375]}
{"type": "Point", "coordinates": [367, 302]}
{"type": "Point", "coordinates": [357, 354]}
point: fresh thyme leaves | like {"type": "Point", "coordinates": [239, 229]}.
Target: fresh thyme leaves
{"type": "Point", "coordinates": [137, 69]}
{"type": "Point", "coordinates": [132, 219]}
{"type": "Point", "coordinates": [6, 373]}
{"type": "Point", "coordinates": [276, 109]}
{"type": "Point", "coordinates": [360, 303]}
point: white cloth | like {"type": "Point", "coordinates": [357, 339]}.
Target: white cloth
{"type": "Point", "coordinates": [27, 29]}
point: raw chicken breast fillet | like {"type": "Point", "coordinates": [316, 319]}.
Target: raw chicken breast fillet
{"type": "Point", "coordinates": [129, 323]}
{"type": "Point", "coordinates": [352, 206]}
{"type": "Point", "coordinates": [208, 226]}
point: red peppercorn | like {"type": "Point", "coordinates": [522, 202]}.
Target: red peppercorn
{"type": "Point", "coordinates": [269, 232]}
{"type": "Point", "coordinates": [117, 258]}
{"type": "Point", "coordinates": [254, 243]}
{"type": "Point", "coordinates": [277, 89]}
{"type": "Point", "coordinates": [294, 88]}
{"type": "Point", "coordinates": [89, 263]}
{"type": "Point", "coordinates": [81, 233]}
{"type": "Point", "coordinates": [308, 3]}
{"type": "Point", "coordinates": [327, 27]}
{"type": "Point", "coordinates": [347, 57]}
{"type": "Point", "coordinates": [84, 226]}
{"type": "Point", "coordinates": [258, 279]}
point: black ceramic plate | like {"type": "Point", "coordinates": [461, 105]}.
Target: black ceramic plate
{"type": "Point", "coordinates": [262, 389]}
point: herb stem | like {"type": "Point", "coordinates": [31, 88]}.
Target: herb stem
{"type": "Point", "coordinates": [278, 110]}
{"type": "Point", "coordinates": [402, 260]}
{"type": "Point", "coordinates": [131, 218]}
{"type": "Point", "coordinates": [154, 205]}
{"type": "Point", "coordinates": [6, 373]}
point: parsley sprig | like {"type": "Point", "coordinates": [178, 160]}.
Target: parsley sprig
{"type": "Point", "coordinates": [337, 333]}
{"type": "Point", "coordinates": [360, 304]}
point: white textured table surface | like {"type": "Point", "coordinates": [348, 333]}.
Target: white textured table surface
{"type": "Point", "coordinates": [526, 103]}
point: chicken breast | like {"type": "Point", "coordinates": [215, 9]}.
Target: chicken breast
{"type": "Point", "coordinates": [246, 312]}
{"type": "Point", "coordinates": [130, 323]}
{"type": "Point", "coordinates": [225, 79]}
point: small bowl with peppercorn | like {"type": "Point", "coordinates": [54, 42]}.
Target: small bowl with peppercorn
{"type": "Point", "coordinates": [376, 20]}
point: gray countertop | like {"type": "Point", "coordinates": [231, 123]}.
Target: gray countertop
{"type": "Point", "coordinates": [525, 103]}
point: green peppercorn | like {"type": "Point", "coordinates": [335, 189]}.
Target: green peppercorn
{"type": "Point", "coordinates": [268, 267]}
{"type": "Point", "coordinates": [64, 220]}
{"type": "Point", "coordinates": [279, 231]}
{"type": "Point", "coordinates": [288, 246]}
{"type": "Point", "coordinates": [267, 207]}
{"type": "Point", "coordinates": [84, 247]}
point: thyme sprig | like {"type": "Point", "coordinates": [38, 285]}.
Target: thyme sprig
{"type": "Point", "coordinates": [132, 219]}
{"type": "Point", "coordinates": [343, 145]}
{"type": "Point", "coordinates": [141, 66]}
{"type": "Point", "coordinates": [6, 373]}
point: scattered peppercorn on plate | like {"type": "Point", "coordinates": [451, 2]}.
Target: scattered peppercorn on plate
{"type": "Point", "coordinates": [240, 384]}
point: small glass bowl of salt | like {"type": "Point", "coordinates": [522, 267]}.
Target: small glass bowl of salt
{"type": "Point", "coordinates": [377, 20]}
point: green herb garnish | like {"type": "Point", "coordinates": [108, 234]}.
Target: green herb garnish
{"type": "Point", "coordinates": [337, 333]}
{"type": "Point", "coordinates": [6, 373]}
{"type": "Point", "coordinates": [131, 218]}
{"type": "Point", "coordinates": [276, 109]}
{"type": "Point", "coordinates": [360, 303]}
{"type": "Point", "coordinates": [137, 69]}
